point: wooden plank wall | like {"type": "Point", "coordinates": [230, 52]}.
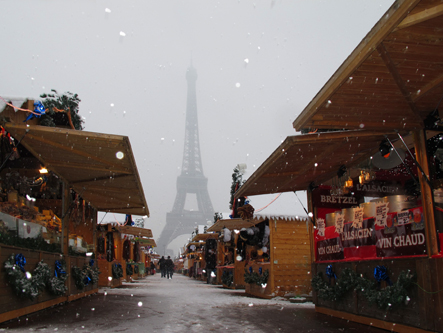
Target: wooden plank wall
{"type": "Point", "coordinates": [424, 311]}
{"type": "Point", "coordinates": [290, 257]}
{"type": "Point", "coordinates": [8, 299]}
{"type": "Point", "coordinates": [220, 261]}
{"type": "Point", "coordinates": [12, 306]}
{"type": "Point", "coordinates": [267, 291]}
{"type": "Point", "coordinates": [78, 262]}
{"type": "Point", "coordinates": [105, 268]}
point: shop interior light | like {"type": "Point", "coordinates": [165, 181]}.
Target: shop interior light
{"type": "Point", "coordinates": [349, 183]}
{"type": "Point", "coordinates": [43, 170]}
{"type": "Point", "coordinates": [30, 198]}
{"type": "Point", "coordinates": [361, 178]}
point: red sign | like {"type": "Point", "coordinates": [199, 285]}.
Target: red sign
{"type": "Point", "coordinates": [401, 236]}
{"type": "Point", "coordinates": [329, 249]}
{"type": "Point", "coordinates": [364, 236]}
{"type": "Point", "coordinates": [402, 239]}
{"type": "Point", "coordinates": [322, 198]}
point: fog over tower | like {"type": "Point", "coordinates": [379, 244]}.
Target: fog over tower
{"type": "Point", "coordinates": [191, 180]}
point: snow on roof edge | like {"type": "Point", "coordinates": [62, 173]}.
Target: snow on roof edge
{"type": "Point", "coordinates": [281, 217]}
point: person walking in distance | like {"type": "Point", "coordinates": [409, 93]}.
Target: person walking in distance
{"type": "Point", "coordinates": [169, 267]}
{"type": "Point", "coordinates": [162, 264]}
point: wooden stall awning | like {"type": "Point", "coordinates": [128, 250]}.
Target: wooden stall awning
{"type": "Point", "coordinates": [316, 157]}
{"type": "Point", "coordinates": [135, 231]}
{"type": "Point", "coordinates": [391, 81]}
{"type": "Point", "coordinates": [88, 162]}
{"type": "Point", "coordinates": [196, 244]}
{"type": "Point", "coordinates": [232, 224]}
{"type": "Point", "coordinates": [147, 242]}
{"type": "Point", "coordinates": [204, 237]}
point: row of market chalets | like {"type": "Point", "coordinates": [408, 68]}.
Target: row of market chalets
{"type": "Point", "coordinates": [371, 163]}
{"type": "Point", "coordinates": [197, 259]}
{"type": "Point", "coordinates": [267, 256]}
{"type": "Point", "coordinates": [124, 252]}
{"type": "Point", "coordinates": [54, 181]}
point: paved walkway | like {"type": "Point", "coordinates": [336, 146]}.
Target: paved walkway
{"type": "Point", "coordinates": [156, 304]}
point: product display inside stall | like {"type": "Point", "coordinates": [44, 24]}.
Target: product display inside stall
{"type": "Point", "coordinates": [374, 211]}
{"type": "Point", "coordinates": [31, 209]}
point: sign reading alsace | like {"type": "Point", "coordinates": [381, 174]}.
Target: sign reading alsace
{"type": "Point", "coordinates": [378, 188]}
{"type": "Point", "coordinates": [353, 237]}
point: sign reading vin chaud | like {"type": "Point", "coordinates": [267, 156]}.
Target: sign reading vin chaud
{"type": "Point", "coordinates": [403, 240]}
{"type": "Point", "coordinates": [330, 249]}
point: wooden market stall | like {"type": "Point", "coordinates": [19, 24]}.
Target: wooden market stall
{"type": "Point", "coordinates": [202, 267]}
{"type": "Point", "coordinates": [119, 246]}
{"type": "Point", "coordinates": [58, 209]}
{"type": "Point", "coordinates": [147, 254]}
{"type": "Point", "coordinates": [271, 255]}
{"type": "Point", "coordinates": [230, 272]}
{"type": "Point", "coordinates": [375, 192]}
{"type": "Point", "coordinates": [193, 259]}
{"type": "Point", "coordinates": [179, 265]}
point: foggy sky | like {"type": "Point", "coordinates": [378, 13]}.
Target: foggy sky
{"type": "Point", "coordinates": [259, 63]}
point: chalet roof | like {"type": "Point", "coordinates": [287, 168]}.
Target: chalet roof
{"type": "Point", "coordinates": [391, 81]}
{"type": "Point", "coordinates": [389, 85]}
{"type": "Point", "coordinates": [89, 163]}
{"type": "Point", "coordinates": [204, 237]}
{"type": "Point", "coordinates": [303, 159]}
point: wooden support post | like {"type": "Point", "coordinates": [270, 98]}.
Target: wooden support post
{"type": "Point", "coordinates": [94, 234]}
{"type": "Point", "coordinates": [66, 203]}
{"type": "Point", "coordinates": [426, 193]}
{"type": "Point", "coordinates": [311, 227]}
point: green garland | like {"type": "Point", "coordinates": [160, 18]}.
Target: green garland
{"type": "Point", "coordinates": [82, 277]}
{"type": "Point", "coordinates": [227, 278]}
{"type": "Point", "coordinates": [254, 277]}
{"type": "Point", "coordinates": [117, 271]}
{"type": "Point", "coordinates": [129, 270]}
{"type": "Point", "coordinates": [387, 298]}
{"type": "Point", "coordinates": [27, 285]}
{"type": "Point", "coordinates": [56, 284]}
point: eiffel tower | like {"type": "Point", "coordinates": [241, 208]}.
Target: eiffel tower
{"type": "Point", "coordinates": [191, 180]}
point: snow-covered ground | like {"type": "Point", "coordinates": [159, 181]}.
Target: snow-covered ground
{"type": "Point", "coordinates": [181, 304]}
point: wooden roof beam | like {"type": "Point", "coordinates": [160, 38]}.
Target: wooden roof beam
{"type": "Point", "coordinates": [91, 180]}
{"type": "Point", "coordinates": [89, 166]}
{"type": "Point", "coordinates": [79, 151]}
{"type": "Point", "coordinates": [101, 189]}
{"type": "Point", "coordinates": [110, 209]}
{"type": "Point", "coordinates": [427, 88]}
{"type": "Point", "coordinates": [327, 152]}
{"type": "Point", "coordinates": [384, 54]}
{"type": "Point", "coordinates": [370, 124]}
{"type": "Point", "coordinates": [398, 11]}
{"type": "Point", "coordinates": [424, 15]}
